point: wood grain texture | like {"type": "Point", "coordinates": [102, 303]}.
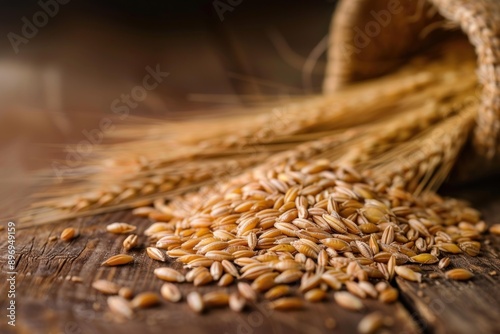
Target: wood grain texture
{"type": "Point", "coordinates": [49, 303]}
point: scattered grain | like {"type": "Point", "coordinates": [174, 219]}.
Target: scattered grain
{"type": "Point", "coordinates": [106, 287]}
{"type": "Point", "coordinates": [495, 229]}
{"type": "Point", "coordinates": [126, 292]}
{"type": "Point", "coordinates": [170, 292]}
{"type": "Point", "coordinates": [315, 295]}
{"type": "Point", "coordinates": [348, 301]}
{"type": "Point", "coordinates": [120, 228]}
{"type": "Point", "coordinates": [371, 323]}
{"type": "Point", "coordinates": [169, 275]}
{"type": "Point", "coordinates": [195, 302]}
{"type": "Point", "coordinates": [68, 234]}
{"type": "Point", "coordinates": [145, 300]}
{"type": "Point", "coordinates": [203, 278]}
{"type": "Point", "coordinates": [215, 299]}
{"type": "Point", "coordinates": [76, 279]}
{"type": "Point", "coordinates": [408, 274]}
{"type": "Point", "coordinates": [156, 254]}
{"type": "Point", "coordinates": [130, 242]}
{"type": "Point", "coordinates": [120, 307]}
{"type": "Point", "coordinates": [388, 295]}
{"type": "Point", "coordinates": [247, 292]}
{"type": "Point", "coordinates": [118, 260]}
{"type": "Point", "coordinates": [287, 304]}
{"type": "Point", "coordinates": [226, 280]}
{"type": "Point", "coordinates": [459, 274]}
{"type": "Point", "coordinates": [237, 302]}
{"type": "Point", "coordinates": [444, 262]}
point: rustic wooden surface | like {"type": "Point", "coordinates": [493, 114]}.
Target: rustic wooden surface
{"type": "Point", "coordinates": [49, 303]}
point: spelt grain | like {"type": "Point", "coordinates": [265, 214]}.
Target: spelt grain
{"type": "Point", "coordinates": [106, 287]}
{"type": "Point", "coordinates": [145, 300]}
{"type": "Point", "coordinates": [120, 307]}
{"type": "Point", "coordinates": [348, 301]}
{"type": "Point", "coordinates": [287, 304]}
{"type": "Point", "coordinates": [371, 323]}
{"type": "Point", "coordinates": [170, 292]}
{"type": "Point", "coordinates": [195, 302]}
{"type": "Point", "coordinates": [130, 242]}
{"type": "Point", "coordinates": [120, 228]}
{"type": "Point", "coordinates": [459, 274]}
{"type": "Point", "coordinates": [118, 260]}
{"type": "Point", "coordinates": [156, 254]}
{"type": "Point", "coordinates": [68, 234]}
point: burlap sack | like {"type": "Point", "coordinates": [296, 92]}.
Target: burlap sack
{"type": "Point", "coordinates": [372, 37]}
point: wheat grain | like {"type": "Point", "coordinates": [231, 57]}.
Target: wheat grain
{"type": "Point", "coordinates": [216, 270]}
{"type": "Point", "coordinates": [203, 278]}
{"type": "Point", "coordinates": [118, 260]}
{"type": "Point", "coordinates": [389, 295]}
{"type": "Point", "coordinates": [247, 292]}
{"type": "Point", "coordinates": [355, 289]}
{"type": "Point", "coordinates": [225, 280]}
{"type": "Point", "coordinates": [309, 282]}
{"type": "Point", "coordinates": [444, 262]}
{"type": "Point", "coordinates": [169, 275]}
{"type": "Point", "coordinates": [157, 227]}
{"type": "Point", "coordinates": [130, 242]}
{"type": "Point", "coordinates": [145, 300]}
{"type": "Point", "coordinates": [408, 274]}
{"type": "Point", "coordinates": [68, 234]}
{"type": "Point", "coordinates": [449, 248]}
{"type": "Point", "coordinates": [368, 288]}
{"type": "Point", "coordinates": [472, 248]}
{"type": "Point", "coordinates": [264, 282]}
{"type": "Point", "coordinates": [170, 292]}
{"type": "Point", "coordinates": [371, 323]}
{"type": "Point", "coordinates": [459, 274]}
{"type": "Point", "coordinates": [495, 229]}
{"type": "Point", "coordinates": [348, 301]}
{"type": "Point", "coordinates": [120, 228]}
{"type": "Point", "coordinates": [156, 254]}
{"type": "Point", "coordinates": [126, 292]}
{"type": "Point", "coordinates": [289, 276]}
{"type": "Point", "coordinates": [215, 299]}
{"type": "Point", "coordinates": [315, 295]}
{"type": "Point", "coordinates": [236, 302]}
{"type": "Point", "coordinates": [277, 292]}
{"type": "Point", "coordinates": [287, 304]}
{"type": "Point", "coordinates": [191, 275]}
{"type": "Point", "coordinates": [106, 287]}
{"type": "Point", "coordinates": [120, 307]}
{"type": "Point", "coordinates": [76, 279]}
{"type": "Point", "coordinates": [195, 302]}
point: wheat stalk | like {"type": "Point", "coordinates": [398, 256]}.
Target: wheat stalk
{"type": "Point", "coordinates": [366, 125]}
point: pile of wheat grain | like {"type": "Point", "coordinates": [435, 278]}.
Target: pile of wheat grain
{"type": "Point", "coordinates": [311, 225]}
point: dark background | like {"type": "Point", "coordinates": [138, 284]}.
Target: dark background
{"type": "Point", "coordinates": [101, 48]}
{"type": "Point", "coordinates": [64, 79]}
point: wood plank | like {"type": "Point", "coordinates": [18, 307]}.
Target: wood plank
{"type": "Point", "coordinates": [449, 306]}
{"type": "Point", "coordinates": [446, 306]}
{"type": "Point", "coordinates": [48, 302]}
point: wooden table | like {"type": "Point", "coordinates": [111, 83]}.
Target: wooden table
{"type": "Point", "coordinates": [47, 302]}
